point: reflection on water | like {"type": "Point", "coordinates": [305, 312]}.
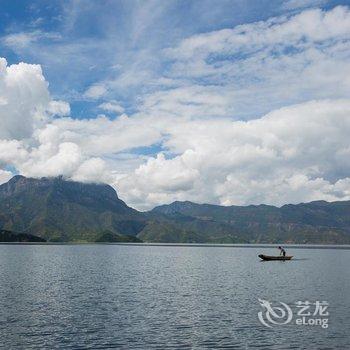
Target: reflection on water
{"type": "Point", "coordinates": [110, 296]}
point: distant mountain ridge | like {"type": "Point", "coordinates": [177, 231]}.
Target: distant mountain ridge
{"type": "Point", "coordinates": [56, 209]}
{"type": "Point", "coordinates": [322, 213]}
{"type": "Point", "coordinates": [314, 222]}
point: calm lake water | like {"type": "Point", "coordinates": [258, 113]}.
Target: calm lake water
{"type": "Point", "coordinates": [134, 297]}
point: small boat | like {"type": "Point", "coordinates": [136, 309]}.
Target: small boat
{"type": "Point", "coordinates": [269, 258]}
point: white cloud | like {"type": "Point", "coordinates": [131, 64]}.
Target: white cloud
{"type": "Point", "coordinates": [262, 66]}
{"type": "Point", "coordinates": [170, 175]}
{"type": "Point", "coordinates": [59, 108]}
{"type": "Point", "coordinates": [101, 135]}
{"type": "Point", "coordinates": [93, 170]}
{"type": "Point", "coordinates": [294, 154]}
{"type": "Point", "coordinates": [112, 106]}
{"type": "Point", "coordinates": [25, 100]}
{"type": "Point", "coordinates": [95, 91]}
{"type": "Point", "coordinates": [308, 26]}
{"type": "Point", "coordinates": [5, 176]}
{"type": "Point", "coordinates": [194, 101]}
{"type": "Point", "coordinates": [74, 148]}
{"type": "Point", "coordinates": [21, 40]}
{"type": "Point", "coordinates": [12, 152]}
{"type": "Point", "coordinates": [52, 157]}
{"type": "Point", "coordinates": [52, 160]}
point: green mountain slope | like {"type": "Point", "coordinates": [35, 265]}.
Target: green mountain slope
{"type": "Point", "coordinates": [60, 210]}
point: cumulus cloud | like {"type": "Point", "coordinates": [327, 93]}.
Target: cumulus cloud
{"type": "Point", "coordinates": [59, 108]}
{"type": "Point", "coordinates": [52, 160]}
{"type": "Point", "coordinates": [25, 102]}
{"type": "Point", "coordinates": [12, 151]}
{"type": "Point", "coordinates": [297, 153]}
{"type": "Point", "coordinates": [93, 170]}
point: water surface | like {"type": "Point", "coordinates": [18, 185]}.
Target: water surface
{"type": "Point", "coordinates": [155, 297]}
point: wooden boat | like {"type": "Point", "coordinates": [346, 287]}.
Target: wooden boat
{"type": "Point", "coordinates": [269, 258]}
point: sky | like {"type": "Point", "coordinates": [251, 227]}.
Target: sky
{"type": "Point", "coordinates": [227, 102]}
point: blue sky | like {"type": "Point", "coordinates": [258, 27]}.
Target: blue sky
{"type": "Point", "coordinates": [79, 43]}
{"type": "Point", "coordinates": [177, 100]}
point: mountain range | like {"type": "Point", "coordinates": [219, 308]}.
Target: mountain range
{"type": "Point", "coordinates": [59, 210]}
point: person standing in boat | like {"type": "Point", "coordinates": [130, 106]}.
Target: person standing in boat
{"type": "Point", "coordinates": [282, 251]}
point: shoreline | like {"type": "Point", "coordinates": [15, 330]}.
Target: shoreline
{"type": "Point", "coordinates": [238, 245]}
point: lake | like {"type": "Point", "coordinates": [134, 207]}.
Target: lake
{"type": "Point", "coordinates": [165, 297]}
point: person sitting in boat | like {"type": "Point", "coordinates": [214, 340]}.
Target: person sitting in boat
{"type": "Point", "coordinates": [282, 251]}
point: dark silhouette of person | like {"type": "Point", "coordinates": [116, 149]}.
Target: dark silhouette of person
{"type": "Point", "coordinates": [282, 251]}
